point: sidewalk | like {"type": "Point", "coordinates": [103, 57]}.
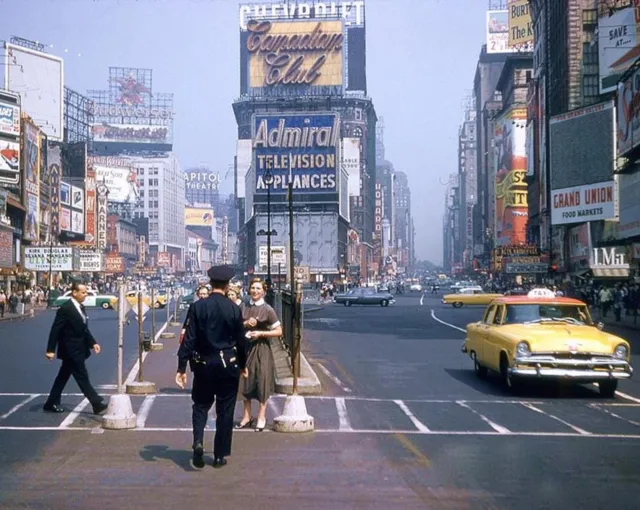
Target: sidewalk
{"type": "Point", "coordinates": [27, 313]}
{"type": "Point", "coordinates": [626, 322]}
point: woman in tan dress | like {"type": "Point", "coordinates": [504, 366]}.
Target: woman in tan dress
{"type": "Point", "coordinates": [261, 323]}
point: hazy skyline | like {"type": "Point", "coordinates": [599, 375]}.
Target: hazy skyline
{"type": "Point", "coordinates": [421, 60]}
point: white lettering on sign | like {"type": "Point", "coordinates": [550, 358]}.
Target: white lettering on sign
{"type": "Point", "coordinates": [101, 110]}
{"type": "Point", "coordinates": [609, 257]}
{"type": "Point", "coordinates": [351, 11]}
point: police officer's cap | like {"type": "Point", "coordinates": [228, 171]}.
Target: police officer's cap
{"type": "Point", "coordinates": [221, 273]}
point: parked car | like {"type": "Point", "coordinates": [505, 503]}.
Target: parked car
{"type": "Point", "coordinates": [92, 300]}
{"type": "Point", "coordinates": [541, 336]}
{"type": "Point", "coordinates": [364, 296]}
{"type": "Point", "coordinates": [469, 296]}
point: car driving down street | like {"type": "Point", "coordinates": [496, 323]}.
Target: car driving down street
{"type": "Point", "coordinates": [364, 296]}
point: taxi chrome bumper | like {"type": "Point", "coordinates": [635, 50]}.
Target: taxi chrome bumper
{"type": "Point", "coordinates": [589, 369]}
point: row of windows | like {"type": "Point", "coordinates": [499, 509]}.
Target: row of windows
{"type": "Point", "coordinates": [152, 171]}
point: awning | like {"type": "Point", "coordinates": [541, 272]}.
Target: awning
{"type": "Point", "coordinates": [610, 272]}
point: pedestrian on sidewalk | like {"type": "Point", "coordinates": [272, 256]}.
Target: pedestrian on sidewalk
{"type": "Point", "coordinates": [261, 322]}
{"type": "Point", "coordinates": [71, 338]}
{"type": "Point", "coordinates": [216, 346]}
{"type": "Point", "coordinates": [3, 302]}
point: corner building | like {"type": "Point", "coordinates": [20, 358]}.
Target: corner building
{"type": "Point", "coordinates": [301, 122]}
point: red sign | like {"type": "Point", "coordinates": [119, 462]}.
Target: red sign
{"type": "Point", "coordinates": [90, 207]}
{"type": "Point", "coordinates": [112, 232]}
{"type": "Point", "coordinates": [6, 248]}
{"type": "Point", "coordinates": [163, 259]}
{"type": "Point", "coordinates": [114, 264]}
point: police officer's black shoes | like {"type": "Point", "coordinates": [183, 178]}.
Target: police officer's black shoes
{"type": "Point", "coordinates": [218, 463]}
{"type": "Point", "coordinates": [198, 456]}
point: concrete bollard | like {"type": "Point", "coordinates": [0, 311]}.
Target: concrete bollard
{"type": "Point", "coordinates": [141, 388]}
{"type": "Point", "coordinates": [294, 417]}
{"type": "Point", "coordinates": [119, 415]}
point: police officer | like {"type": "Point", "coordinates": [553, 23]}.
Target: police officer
{"type": "Point", "coordinates": [216, 345]}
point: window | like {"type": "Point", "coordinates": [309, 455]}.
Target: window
{"type": "Point", "coordinates": [590, 17]}
{"type": "Point", "coordinates": [358, 114]}
{"type": "Point", "coordinates": [589, 54]}
{"type": "Point", "coordinates": [590, 85]}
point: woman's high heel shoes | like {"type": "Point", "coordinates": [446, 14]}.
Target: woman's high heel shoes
{"type": "Point", "coordinates": [259, 428]}
{"type": "Point", "coordinates": [244, 425]}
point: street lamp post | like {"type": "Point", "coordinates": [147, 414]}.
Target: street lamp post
{"type": "Point", "coordinates": [268, 181]}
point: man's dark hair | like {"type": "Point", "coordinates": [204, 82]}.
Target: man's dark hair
{"type": "Point", "coordinates": [75, 286]}
{"type": "Point", "coordinates": [219, 285]}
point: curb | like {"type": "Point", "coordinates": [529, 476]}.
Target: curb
{"type": "Point", "coordinates": [314, 308]}
{"type": "Point", "coordinates": [22, 317]}
{"type": "Point", "coordinates": [308, 383]}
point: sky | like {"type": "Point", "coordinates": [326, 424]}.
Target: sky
{"type": "Point", "coordinates": [421, 60]}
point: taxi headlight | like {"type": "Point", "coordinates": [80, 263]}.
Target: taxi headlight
{"type": "Point", "coordinates": [523, 349]}
{"type": "Point", "coordinates": [621, 351]}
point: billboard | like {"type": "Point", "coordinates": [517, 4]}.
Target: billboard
{"type": "Point", "coordinates": [629, 191]}
{"type": "Point", "coordinates": [65, 220]}
{"type": "Point", "coordinates": [90, 207]}
{"type": "Point", "coordinates": [39, 79]}
{"type": "Point", "coordinates": [299, 148]}
{"type": "Point", "coordinates": [582, 146]}
{"type": "Point", "coordinates": [119, 177]}
{"type": "Point", "coordinates": [134, 133]}
{"type": "Point", "coordinates": [497, 34]}
{"type": "Point", "coordinates": [31, 180]}
{"type": "Point", "coordinates": [590, 202]}
{"type": "Point", "coordinates": [114, 264]}
{"type": "Point", "coordinates": [243, 164]}
{"type": "Point", "coordinates": [77, 222]}
{"type": "Point", "coordinates": [198, 217]}
{"type": "Point", "coordinates": [618, 41]}
{"type": "Point", "coordinates": [201, 180]}
{"type": "Point", "coordinates": [294, 57]}
{"type": "Point", "coordinates": [351, 11]}
{"type": "Point", "coordinates": [9, 118]}
{"type": "Point", "coordinates": [628, 114]}
{"type": "Point", "coordinates": [520, 24]}
{"type": "Point", "coordinates": [9, 162]}
{"type": "Point", "coordinates": [77, 198]}
{"type": "Point", "coordinates": [88, 261]}
{"type": "Point", "coordinates": [55, 173]}
{"type": "Point", "coordinates": [47, 258]}
{"type": "Point", "coordinates": [65, 193]}
{"type": "Point", "coordinates": [511, 207]}
{"type": "Point", "coordinates": [351, 164]}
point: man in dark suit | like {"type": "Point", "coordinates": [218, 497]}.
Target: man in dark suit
{"type": "Point", "coordinates": [71, 336]}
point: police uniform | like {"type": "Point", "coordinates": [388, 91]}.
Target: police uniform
{"type": "Point", "coordinates": [216, 347]}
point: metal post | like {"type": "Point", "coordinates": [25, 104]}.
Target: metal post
{"type": "Point", "coordinates": [291, 250]}
{"type": "Point", "coordinates": [279, 276]}
{"type": "Point", "coordinates": [297, 333]}
{"type": "Point", "coordinates": [121, 319]}
{"type": "Point", "coordinates": [153, 314]}
{"type": "Point", "coordinates": [269, 240]}
{"type": "Point", "coordinates": [169, 294]}
{"type": "Point", "coordinates": [140, 336]}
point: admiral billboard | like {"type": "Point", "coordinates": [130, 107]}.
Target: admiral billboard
{"type": "Point", "coordinates": [303, 149]}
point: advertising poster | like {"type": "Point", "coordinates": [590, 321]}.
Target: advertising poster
{"type": "Point", "coordinates": [628, 114]}
{"type": "Point", "coordinates": [309, 54]}
{"type": "Point", "coordinates": [9, 162]}
{"type": "Point", "coordinates": [77, 222]}
{"type": "Point", "coordinates": [618, 42]}
{"type": "Point", "coordinates": [31, 224]}
{"type": "Point", "coordinates": [77, 198]}
{"type": "Point", "coordinates": [55, 172]}
{"type": "Point", "coordinates": [9, 119]}
{"type": "Point", "coordinates": [90, 207]}
{"type": "Point", "coordinates": [511, 189]}
{"type": "Point", "coordinates": [65, 194]}
{"type": "Point", "coordinates": [198, 217]}
{"type": "Point", "coordinates": [121, 183]}
{"type": "Point", "coordinates": [88, 261]}
{"type": "Point", "coordinates": [65, 219]}
{"type": "Point", "coordinates": [112, 232]}
{"type": "Point", "coordinates": [6, 247]}
{"type": "Point", "coordinates": [497, 34]}
{"type": "Point", "coordinates": [163, 259]}
{"type": "Point", "coordinates": [300, 148]}
{"type": "Point", "coordinates": [114, 264]}
{"type": "Point", "coordinates": [520, 24]}
{"type": "Point", "coordinates": [351, 164]}
{"type": "Point", "coordinates": [133, 133]}
{"type": "Point", "coordinates": [45, 258]}
{"type": "Point", "coordinates": [591, 202]}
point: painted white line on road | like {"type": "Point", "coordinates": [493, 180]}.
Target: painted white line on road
{"type": "Point", "coordinates": [422, 300]}
{"type": "Point", "coordinates": [337, 381]}
{"type": "Point", "coordinates": [611, 413]}
{"type": "Point", "coordinates": [572, 427]}
{"type": "Point", "coordinates": [343, 415]}
{"type": "Point", "coordinates": [107, 387]}
{"type": "Point", "coordinates": [616, 404]}
{"type": "Point", "coordinates": [623, 395]}
{"type": "Point", "coordinates": [498, 428]}
{"type": "Point", "coordinates": [136, 367]}
{"type": "Point", "coordinates": [68, 421]}
{"type": "Point", "coordinates": [433, 316]}
{"type": "Point", "coordinates": [419, 425]}
{"type": "Point", "coordinates": [143, 412]}
{"type": "Point", "coordinates": [16, 407]}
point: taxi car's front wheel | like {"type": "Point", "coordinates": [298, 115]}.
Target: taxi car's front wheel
{"type": "Point", "coordinates": [514, 384]}
{"type": "Point", "coordinates": [608, 388]}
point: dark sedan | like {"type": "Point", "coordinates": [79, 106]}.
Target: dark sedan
{"type": "Point", "coordinates": [364, 296]}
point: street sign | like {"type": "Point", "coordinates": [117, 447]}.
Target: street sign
{"type": "Point", "coordinates": [526, 268]}
{"type": "Point", "coordinates": [302, 273]}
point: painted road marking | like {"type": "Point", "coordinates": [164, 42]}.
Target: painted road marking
{"type": "Point", "coordinates": [419, 425]}
{"type": "Point", "coordinates": [422, 300]}
{"type": "Point", "coordinates": [337, 381]}
{"type": "Point", "coordinates": [615, 415]}
{"type": "Point", "coordinates": [560, 420]}
{"type": "Point", "coordinates": [68, 421]}
{"type": "Point", "coordinates": [433, 315]}
{"type": "Point", "coordinates": [343, 415]}
{"type": "Point", "coordinates": [16, 407]}
{"type": "Point", "coordinates": [143, 412]}
{"type": "Point", "coordinates": [498, 428]}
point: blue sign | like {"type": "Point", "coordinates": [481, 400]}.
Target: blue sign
{"type": "Point", "coordinates": [302, 149]}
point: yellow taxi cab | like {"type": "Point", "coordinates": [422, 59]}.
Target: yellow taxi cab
{"type": "Point", "coordinates": [541, 336]}
{"type": "Point", "coordinates": [469, 296]}
{"type": "Point", "coordinates": [132, 299]}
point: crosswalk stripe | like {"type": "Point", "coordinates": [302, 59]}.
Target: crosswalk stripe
{"type": "Point", "coordinates": [68, 421]}
{"type": "Point", "coordinates": [419, 425]}
{"type": "Point", "coordinates": [498, 428]}
{"type": "Point", "coordinates": [343, 415]}
{"type": "Point", "coordinates": [143, 412]}
{"type": "Point", "coordinates": [16, 407]}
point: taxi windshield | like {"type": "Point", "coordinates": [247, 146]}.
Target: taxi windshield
{"type": "Point", "coordinates": [529, 313]}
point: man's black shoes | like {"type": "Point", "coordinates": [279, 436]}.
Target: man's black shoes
{"type": "Point", "coordinates": [100, 408]}
{"type": "Point", "coordinates": [218, 463]}
{"type": "Point", "coordinates": [53, 408]}
{"type": "Point", "coordinates": [198, 456]}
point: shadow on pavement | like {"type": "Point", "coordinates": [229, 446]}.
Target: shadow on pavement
{"type": "Point", "coordinates": [154, 452]}
{"type": "Point", "coordinates": [494, 386]}
{"type": "Point", "coordinates": [173, 390]}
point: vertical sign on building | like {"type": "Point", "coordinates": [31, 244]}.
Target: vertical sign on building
{"type": "Point", "coordinates": [55, 172]}
{"type": "Point", "coordinates": [377, 253]}
{"type": "Point", "coordinates": [90, 207]}
{"type": "Point", "coordinates": [31, 166]}
{"type": "Point", "coordinates": [101, 216]}
{"type": "Point", "coordinates": [112, 233]}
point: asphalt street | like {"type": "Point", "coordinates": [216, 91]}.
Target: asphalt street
{"type": "Point", "coordinates": [403, 423]}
